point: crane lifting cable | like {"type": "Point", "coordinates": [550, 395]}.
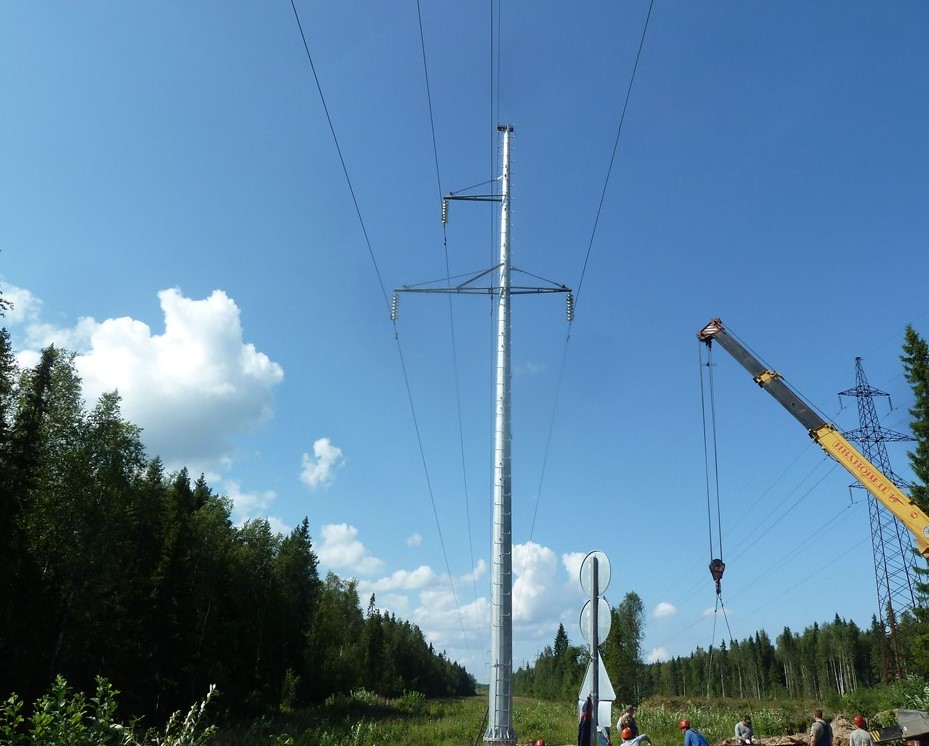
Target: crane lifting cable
{"type": "Point", "coordinates": [717, 566]}
{"type": "Point", "coordinates": [709, 661]}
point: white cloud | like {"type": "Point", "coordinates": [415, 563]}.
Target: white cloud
{"type": "Point", "coordinates": [572, 562]}
{"type": "Point", "coordinates": [478, 572]}
{"type": "Point", "coordinates": [396, 603]}
{"type": "Point", "coordinates": [419, 579]}
{"type": "Point", "coordinates": [534, 578]}
{"type": "Point", "coordinates": [341, 550]}
{"type": "Point", "coordinates": [664, 609]}
{"type": "Point", "coordinates": [318, 469]}
{"type": "Point", "coordinates": [455, 615]}
{"type": "Point", "coordinates": [247, 505]}
{"type": "Point", "coordinates": [527, 368]}
{"type": "Point", "coordinates": [26, 307]}
{"type": "Point", "coordinates": [658, 654]}
{"type": "Point", "coordinates": [414, 540]}
{"type": "Point", "coordinates": [278, 526]}
{"type": "Point", "coordinates": [191, 388]}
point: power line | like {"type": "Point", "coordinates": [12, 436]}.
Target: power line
{"type": "Point", "coordinates": [377, 271]}
{"type": "Point", "coordinates": [619, 129]}
{"type": "Point", "coordinates": [338, 148]}
{"type": "Point", "coordinates": [451, 316]}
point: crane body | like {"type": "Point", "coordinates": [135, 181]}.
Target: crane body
{"type": "Point", "coordinates": [827, 436]}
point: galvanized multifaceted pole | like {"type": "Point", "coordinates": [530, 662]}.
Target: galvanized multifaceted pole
{"type": "Point", "coordinates": [500, 715]}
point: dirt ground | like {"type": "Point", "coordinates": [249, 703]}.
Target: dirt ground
{"type": "Point", "coordinates": [841, 728]}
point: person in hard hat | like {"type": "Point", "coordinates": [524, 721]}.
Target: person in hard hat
{"type": "Point", "coordinates": [692, 737]}
{"type": "Point", "coordinates": [820, 731]}
{"type": "Point", "coordinates": [744, 732]}
{"type": "Point", "coordinates": [640, 740]}
{"type": "Point", "coordinates": [860, 736]}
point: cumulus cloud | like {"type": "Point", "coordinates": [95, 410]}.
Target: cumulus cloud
{"type": "Point", "coordinates": [26, 307]}
{"type": "Point", "coordinates": [247, 505]}
{"type": "Point", "coordinates": [658, 654]}
{"type": "Point", "coordinates": [572, 562]}
{"type": "Point", "coordinates": [543, 598]}
{"type": "Point", "coordinates": [408, 580]}
{"type": "Point", "coordinates": [414, 540]}
{"type": "Point", "coordinates": [318, 470]}
{"type": "Point", "coordinates": [341, 550]}
{"type": "Point", "coordinates": [664, 609]}
{"type": "Point", "coordinates": [534, 571]}
{"type": "Point", "coordinates": [191, 388]}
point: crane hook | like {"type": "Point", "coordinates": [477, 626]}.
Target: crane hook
{"type": "Point", "coordinates": [717, 568]}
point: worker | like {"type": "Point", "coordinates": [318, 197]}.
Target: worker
{"type": "Point", "coordinates": [820, 731]}
{"type": "Point", "coordinates": [640, 740]}
{"type": "Point", "coordinates": [860, 736]}
{"type": "Point", "coordinates": [692, 737]}
{"type": "Point", "coordinates": [744, 732]}
{"type": "Point", "coordinates": [627, 720]}
{"type": "Point", "coordinates": [583, 723]}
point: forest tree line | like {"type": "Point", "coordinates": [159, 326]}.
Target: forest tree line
{"type": "Point", "coordinates": [111, 566]}
{"type": "Point", "coordinates": [833, 658]}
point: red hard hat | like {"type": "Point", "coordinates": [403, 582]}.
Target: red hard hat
{"type": "Point", "coordinates": [627, 733]}
{"type": "Point", "coordinates": [685, 724]}
{"type": "Point", "coordinates": [859, 721]}
{"type": "Point", "coordinates": [540, 742]}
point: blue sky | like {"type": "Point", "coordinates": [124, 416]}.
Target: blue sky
{"type": "Point", "coordinates": [173, 208]}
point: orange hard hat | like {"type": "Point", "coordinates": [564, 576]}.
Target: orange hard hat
{"type": "Point", "coordinates": [859, 721]}
{"type": "Point", "coordinates": [540, 742]}
{"type": "Point", "coordinates": [685, 724]}
{"type": "Point", "coordinates": [627, 733]}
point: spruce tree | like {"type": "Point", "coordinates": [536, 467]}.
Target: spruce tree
{"type": "Point", "coordinates": [915, 360]}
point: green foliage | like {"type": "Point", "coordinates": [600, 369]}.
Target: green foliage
{"type": "Point", "coordinates": [829, 660]}
{"type": "Point", "coordinates": [65, 717]}
{"type": "Point", "coordinates": [113, 567]}
{"type": "Point", "coordinates": [557, 672]}
{"type": "Point", "coordinates": [289, 690]}
{"type": "Point", "coordinates": [622, 650]}
{"type": "Point", "coordinates": [913, 691]}
{"type": "Point", "coordinates": [716, 718]}
{"type": "Point", "coordinates": [365, 719]}
{"type": "Point", "coordinates": [186, 731]}
{"type": "Point", "coordinates": [915, 359]}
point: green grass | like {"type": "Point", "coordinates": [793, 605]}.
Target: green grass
{"type": "Point", "coordinates": [365, 720]}
{"type": "Point", "coordinates": [64, 717]}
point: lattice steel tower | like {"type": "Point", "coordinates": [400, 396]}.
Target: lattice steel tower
{"type": "Point", "coordinates": [890, 540]}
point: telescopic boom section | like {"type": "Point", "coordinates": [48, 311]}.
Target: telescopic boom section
{"type": "Point", "coordinates": [827, 436]}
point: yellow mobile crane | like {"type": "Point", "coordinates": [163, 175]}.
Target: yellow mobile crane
{"type": "Point", "coordinates": [827, 436]}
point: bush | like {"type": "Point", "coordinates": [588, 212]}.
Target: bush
{"type": "Point", "coordinates": [64, 717]}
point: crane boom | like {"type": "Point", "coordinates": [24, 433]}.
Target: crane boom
{"type": "Point", "coordinates": [827, 436]}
